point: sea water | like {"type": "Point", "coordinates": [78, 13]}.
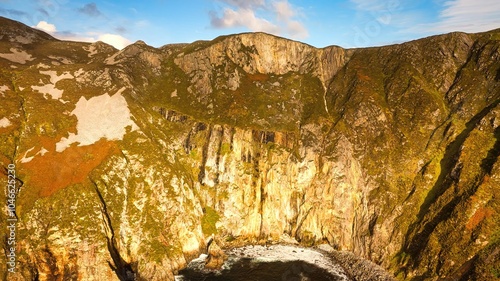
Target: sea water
{"type": "Point", "coordinates": [277, 262]}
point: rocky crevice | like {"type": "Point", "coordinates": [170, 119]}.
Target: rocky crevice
{"type": "Point", "coordinates": [204, 155]}
{"type": "Point", "coordinates": [124, 270]}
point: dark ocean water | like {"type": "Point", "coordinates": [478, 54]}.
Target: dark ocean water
{"type": "Point", "coordinates": [248, 269]}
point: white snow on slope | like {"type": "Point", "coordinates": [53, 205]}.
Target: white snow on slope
{"type": "Point", "coordinates": [4, 122]}
{"type": "Point", "coordinates": [50, 89]}
{"type": "Point", "coordinates": [99, 117]}
{"type": "Point", "coordinates": [26, 159]}
{"type": "Point", "coordinates": [17, 56]}
{"type": "Point", "coordinates": [3, 88]}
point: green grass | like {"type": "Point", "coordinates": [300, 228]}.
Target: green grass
{"type": "Point", "coordinates": [209, 220]}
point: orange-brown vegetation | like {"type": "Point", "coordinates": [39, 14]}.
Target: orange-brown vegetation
{"type": "Point", "coordinates": [261, 77]}
{"type": "Point", "coordinates": [478, 217]}
{"type": "Point", "coordinates": [56, 170]}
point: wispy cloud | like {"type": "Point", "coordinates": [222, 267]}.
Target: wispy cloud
{"type": "Point", "coordinates": [272, 16]}
{"type": "Point", "coordinates": [12, 12]}
{"type": "Point", "coordinates": [114, 40]}
{"type": "Point", "coordinates": [43, 12]}
{"type": "Point", "coordinates": [469, 16]}
{"type": "Point", "coordinates": [464, 15]}
{"type": "Point", "coordinates": [63, 35]}
{"type": "Point", "coordinates": [90, 9]}
{"type": "Point", "coordinates": [121, 29]}
{"type": "Point", "coordinates": [375, 19]}
{"type": "Point", "coordinates": [286, 14]}
{"type": "Point", "coordinates": [242, 18]}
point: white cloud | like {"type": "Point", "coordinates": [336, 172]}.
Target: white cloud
{"type": "Point", "coordinates": [47, 27]}
{"type": "Point", "coordinates": [297, 29]}
{"type": "Point", "coordinates": [286, 14]}
{"type": "Point", "coordinates": [114, 40]}
{"type": "Point", "coordinates": [243, 18]}
{"type": "Point", "coordinates": [283, 10]}
{"type": "Point", "coordinates": [465, 16]}
{"type": "Point", "coordinates": [272, 16]}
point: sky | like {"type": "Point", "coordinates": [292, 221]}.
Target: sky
{"type": "Point", "coordinates": [320, 23]}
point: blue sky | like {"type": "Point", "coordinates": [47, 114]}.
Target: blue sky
{"type": "Point", "coordinates": [347, 23]}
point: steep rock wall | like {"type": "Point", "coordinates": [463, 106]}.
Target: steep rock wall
{"type": "Point", "coordinates": [390, 153]}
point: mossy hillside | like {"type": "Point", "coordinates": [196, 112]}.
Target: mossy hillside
{"type": "Point", "coordinates": [11, 106]}
{"type": "Point", "coordinates": [402, 102]}
{"type": "Point", "coordinates": [162, 88]}
{"type": "Point", "coordinates": [447, 207]}
{"type": "Point", "coordinates": [200, 44]}
{"type": "Point", "coordinates": [290, 99]}
{"type": "Point", "coordinates": [130, 202]}
{"type": "Point", "coordinates": [152, 206]}
{"type": "Point", "coordinates": [61, 52]}
{"type": "Point", "coordinates": [363, 114]}
{"type": "Point", "coordinates": [49, 120]}
{"type": "Point", "coordinates": [74, 211]}
{"type": "Point", "coordinates": [70, 217]}
{"type": "Point", "coordinates": [471, 211]}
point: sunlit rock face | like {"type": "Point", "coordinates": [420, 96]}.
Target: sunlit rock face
{"type": "Point", "coordinates": [127, 161]}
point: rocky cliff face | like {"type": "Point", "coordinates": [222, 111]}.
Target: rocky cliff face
{"type": "Point", "coordinates": [127, 161]}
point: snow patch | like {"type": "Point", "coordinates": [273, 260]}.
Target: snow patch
{"type": "Point", "coordinates": [111, 59]}
{"type": "Point", "coordinates": [42, 65]}
{"type": "Point", "coordinates": [28, 159]}
{"type": "Point", "coordinates": [91, 49]}
{"type": "Point", "coordinates": [22, 40]}
{"type": "Point", "coordinates": [79, 72]}
{"type": "Point", "coordinates": [3, 89]}
{"type": "Point", "coordinates": [54, 78]}
{"type": "Point", "coordinates": [4, 123]}
{"type": "Point", "coordinates": [99, 117]}
{"type": "Point", "coordinates": [61, 59]}
{"type": "Point", "coordinates": [43, 151]}
{"type": "Point", "coordinates": [50, 89]}
{"type": "Point", "coordinates": [174, 94]}
{"type": "Point", "coordinates": [17, 56]}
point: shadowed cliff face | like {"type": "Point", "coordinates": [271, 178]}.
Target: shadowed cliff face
{"type": "Point", "coordinates": [128, 160]}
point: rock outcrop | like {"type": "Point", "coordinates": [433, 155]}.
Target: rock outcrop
{"type": "Point", "coordinates": [390, 153]}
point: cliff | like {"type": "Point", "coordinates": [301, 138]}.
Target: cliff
{"type": "Point", "coordinates": [127, 161]}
